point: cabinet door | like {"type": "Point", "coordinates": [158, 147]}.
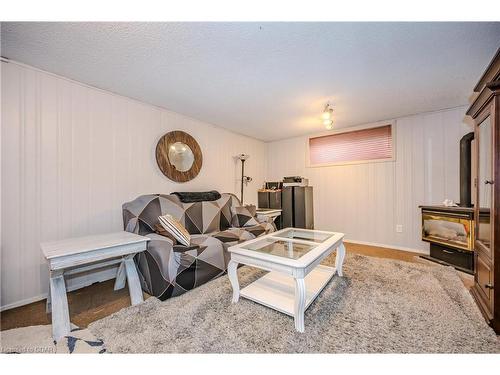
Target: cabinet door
{"type": "Point", "coordinates": [484, 186]}
{"type": "Point", "coordinates": [484, 282]}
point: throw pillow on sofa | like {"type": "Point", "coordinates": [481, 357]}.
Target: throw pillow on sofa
{"type": "Point", "coordinates": [175, 228]}
{"type": "Point", "coordinates": [242, 217]}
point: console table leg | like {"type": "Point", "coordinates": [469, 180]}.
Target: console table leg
{"type": "Point", "coordinates": [233, 278]}
{"type": "Point", "coordinates": [48, 304]}
{"type": "Point", "coordinates": [300, 304]}
{"type": "Point", "coordinates": [59, 303]}
{"type": "Point", "coordinates": [134, 285]}
{"type": "Point", "coordinates": [121, 277]}
{"type": "Point", "coordinates": [339, 259]}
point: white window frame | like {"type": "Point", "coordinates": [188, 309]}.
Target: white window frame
{"type": "Point", "coordinates": [392, 123]}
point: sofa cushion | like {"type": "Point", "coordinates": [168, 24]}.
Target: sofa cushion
{"type": "Point", "coordinates": [193, 217]}
{"type": "Point", "coordinates": [210, 252]}
{"type": "Point", "coordinates": [141, 215]}
{"type": "Point", "coordinates": [202, 217]}
{"type": "Point", "coordinates": [210, 217]}
{"type": "Point", "coordinates": [242, 217]}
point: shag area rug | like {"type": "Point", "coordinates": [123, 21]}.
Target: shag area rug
{"type": "Point", "coordinates": [379, 306]}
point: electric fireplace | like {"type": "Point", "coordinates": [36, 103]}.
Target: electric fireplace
{"type": "Point", "coordinates": [450, 230]}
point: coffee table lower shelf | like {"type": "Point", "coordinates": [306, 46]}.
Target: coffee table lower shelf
{"type": "Point", "coordinates": [277, 290]}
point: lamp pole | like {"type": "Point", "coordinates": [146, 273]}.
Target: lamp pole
{"type": "Point", "coordinates": [242, 178]}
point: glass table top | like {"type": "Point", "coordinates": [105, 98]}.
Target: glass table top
{"type": "Point", "coordinates": [304, 235]}
{"type": "Point", "coordinates": [281, 248]}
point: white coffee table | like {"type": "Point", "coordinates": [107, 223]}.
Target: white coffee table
{"type": "Point", "coordinates": [296, 277]}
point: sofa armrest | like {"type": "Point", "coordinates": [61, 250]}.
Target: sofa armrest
{"type": "Point", "coordinates": [159, 264]}
{"type": "Point", "coordinates": [159, 243]}
{"type": "Point", "coordinates": [155, 261]}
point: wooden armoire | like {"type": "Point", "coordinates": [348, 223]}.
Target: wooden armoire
{"type": "Point", "coordinates": [485, 112]}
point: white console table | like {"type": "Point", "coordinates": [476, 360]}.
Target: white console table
{"type": "Point", "coordinates": [268, 213]}
{"type": "Point", "coordinates": [70, 256]}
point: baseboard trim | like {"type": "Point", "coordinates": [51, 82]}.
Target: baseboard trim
{"type": "Point", "coordinates": [412, 250]}
{"type": "Point", "coordinates": [23, 302]}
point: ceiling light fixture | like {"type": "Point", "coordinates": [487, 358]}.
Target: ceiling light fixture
{"type": "Point", "coordinates": [327, 116]}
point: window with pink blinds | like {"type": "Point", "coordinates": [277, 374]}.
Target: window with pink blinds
{"type": "Point", "coordinates": [358, 145]}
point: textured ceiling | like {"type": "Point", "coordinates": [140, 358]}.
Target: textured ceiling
{"type": "Point", "coordinates": [267, 80]}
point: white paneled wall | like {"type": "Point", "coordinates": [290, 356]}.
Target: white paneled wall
{"type": "Point", "coordinates": [367, 201]}
{"type": "Point", "coordinates": [72, 154]}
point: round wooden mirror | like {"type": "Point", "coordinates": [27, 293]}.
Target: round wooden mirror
{"type": "Point", "coordinates": [179, 156]}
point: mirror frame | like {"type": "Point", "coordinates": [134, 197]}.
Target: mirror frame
{"type": "Point", "coordinates": [163, 162]}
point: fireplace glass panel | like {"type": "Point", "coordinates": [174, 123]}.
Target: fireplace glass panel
{"type": "Point", "coordinates": [447, 230]}
{"type": "Point", "coordinates": [484, 175]}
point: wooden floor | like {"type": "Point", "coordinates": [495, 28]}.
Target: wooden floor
{"type": "Point", "coordinates": [97, 301]}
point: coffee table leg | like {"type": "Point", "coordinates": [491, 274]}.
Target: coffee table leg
{"type": "Point", "coordinates": [300, 304]}
{"type": "Point", "coordinates": [59, 303]}
{"type": "Point", "coordinates": [233, 278]}
{"type": "Point", "coordinates": [339, 259]}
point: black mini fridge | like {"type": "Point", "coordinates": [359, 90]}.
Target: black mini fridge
{"type": "Point", "coordinates": [296, 203]}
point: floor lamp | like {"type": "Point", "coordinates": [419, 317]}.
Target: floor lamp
{"type": "Point", "coordinates": [244, 179]}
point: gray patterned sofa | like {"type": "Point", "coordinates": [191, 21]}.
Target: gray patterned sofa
{"type": "Point", "coordinates": [168, 269]}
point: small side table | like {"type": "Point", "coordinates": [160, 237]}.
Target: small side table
{"type": "Point", "coordinates": [82, 254]}
{"type": "Point", "coordinates": [269, 213]}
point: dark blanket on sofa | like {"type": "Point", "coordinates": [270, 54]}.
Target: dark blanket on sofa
{"type": "Point", "coordinates": [188, 197]}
